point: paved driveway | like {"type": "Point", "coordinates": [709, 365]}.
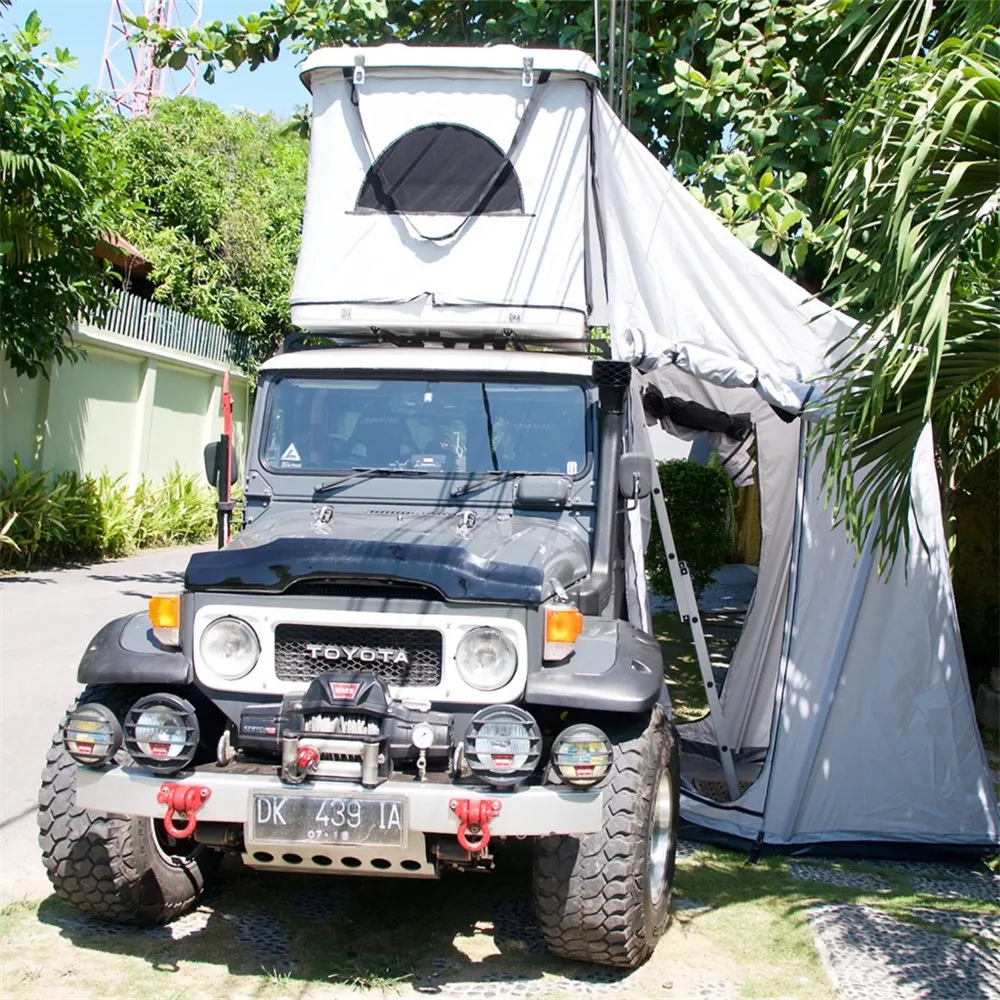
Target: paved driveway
{"type": "Point", "coordinates": [46, 620]}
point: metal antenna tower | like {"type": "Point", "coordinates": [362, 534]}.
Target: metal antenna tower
{"type": "Point", "coordinates": [127, 72]}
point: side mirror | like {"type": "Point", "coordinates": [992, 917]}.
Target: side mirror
{"type": "Point", "coordinates": [636, 475]}
{"type": "Point", "coordinates": [213, 457]}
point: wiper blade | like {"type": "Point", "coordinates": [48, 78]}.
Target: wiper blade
{"type": "Point", "coordinates": [361, 473]}
{"type": "Point", "coordinates": [490, 477]}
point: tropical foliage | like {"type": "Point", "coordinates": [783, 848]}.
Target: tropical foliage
{"type": "Point", "coordinates": [699, 501]}
{"type": "Point", "coordinates": [220, 199]}
{"type": "Point", "coordinates": [49, 518]}
{"type": "Point", "coordinates": [915, 191]}
{"type": "Point", "coordinates": [59, 197]}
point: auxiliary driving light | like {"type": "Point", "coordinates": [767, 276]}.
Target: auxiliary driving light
{"type": "Point", "coordinates": [92, 735]}
{"type": "Point", "coordinates": [229, 647]}
{"type": "Point", "coordinates": [503, 745]}
{"type": "Point", "coordinates": [161, 733]}
{"type": "Point", "coordinates": [582, 755]}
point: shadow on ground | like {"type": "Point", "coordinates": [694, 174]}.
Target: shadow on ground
{"type": "Point", "coordinates": [464, 935]}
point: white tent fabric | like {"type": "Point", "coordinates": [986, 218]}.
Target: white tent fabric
{"type": "Point", "coordinates": [848, 693]}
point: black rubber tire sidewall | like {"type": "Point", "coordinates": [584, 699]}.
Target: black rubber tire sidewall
{"type": "Point", "coordinates": [108, 865]}
{"type": "Point", "coordinates": [592, 894]}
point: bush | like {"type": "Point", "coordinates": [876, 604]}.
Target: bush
{"type": "Point", "coordinates": [53, 519]}
{"type": "Point", "coordinates": [699, 502]}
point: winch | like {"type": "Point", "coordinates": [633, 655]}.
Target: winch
{"type": "Point", "coordinates": [345, 726]}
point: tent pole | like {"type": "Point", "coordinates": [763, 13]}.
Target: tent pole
{"type": "Point", "coordinates": [687, 604]}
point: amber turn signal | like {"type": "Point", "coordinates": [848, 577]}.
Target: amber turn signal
{"type": "Point", "coordinates": [563, 625]}
{"type": "Point", "coordinates": [165, 617]}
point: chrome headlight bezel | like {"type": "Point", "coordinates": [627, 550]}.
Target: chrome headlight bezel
{"type": "Point", "coordinates": [478, 675]}
{"type": "Point", "coordinates": [211, 659]}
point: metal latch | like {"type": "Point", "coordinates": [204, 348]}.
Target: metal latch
{"type": "Point", "coordinates": [527, 72]}
{"type": "Point", "coordinates": [359, 70]}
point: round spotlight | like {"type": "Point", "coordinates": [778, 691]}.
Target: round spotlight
{"type": "Point", "coordinates": [503, 745]}
{"type": "Point", "coordinates": [161, 733]}
{"type": "Point", "coordinates": [486, 658]}
{"type": "Point", "coordinates": [229, 647]}
{"type": "Point", "coordinates": [92, 735]}
{"type": "Point", "coordinates": [582, 755]}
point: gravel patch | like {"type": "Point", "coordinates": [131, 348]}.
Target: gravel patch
{"type": "Point", "coordinates": [870, 956]}
{"type": "Point", "coordinates": [837, 876]}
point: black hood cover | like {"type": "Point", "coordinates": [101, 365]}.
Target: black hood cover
{"type": "Point", "coordinates": [515, 558]}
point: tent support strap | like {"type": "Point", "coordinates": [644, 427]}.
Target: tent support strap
{"type": "Point", "coordinates": [687, 604]}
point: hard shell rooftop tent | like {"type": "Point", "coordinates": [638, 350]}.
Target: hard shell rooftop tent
{"type": "Point", "coordinates": [456, 193]}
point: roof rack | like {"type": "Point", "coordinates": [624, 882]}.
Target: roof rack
{"type": "Point", "coordinates": [306, 340]}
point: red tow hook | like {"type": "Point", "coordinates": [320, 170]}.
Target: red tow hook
{"type": "Point", "coordinates": [474, 819]}
{"type": "Point", "coordinates": [185, 800]}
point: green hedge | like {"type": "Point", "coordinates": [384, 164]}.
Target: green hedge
{"type": "Point", "coordinates": [52, 519]}
{"type": "Point", "coordinates": [699, 502]}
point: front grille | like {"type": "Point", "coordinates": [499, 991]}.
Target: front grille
{"type": "Point", "coordinates": [294, 661]}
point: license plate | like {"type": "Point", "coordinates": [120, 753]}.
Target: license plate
{"type": "Point", "coordinates": [326, 819]}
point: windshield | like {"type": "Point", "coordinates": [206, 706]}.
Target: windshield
{"type": "Point", "coordinates": [438, 425]}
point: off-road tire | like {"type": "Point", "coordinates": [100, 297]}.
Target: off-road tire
{"type": "Point", "coordinates": [592, 892]}
{"type": "Point", "coordinates": [110, 866]}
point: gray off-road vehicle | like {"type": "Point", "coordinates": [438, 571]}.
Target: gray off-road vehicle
{"type": "Point", "coordinates": [415, 649]}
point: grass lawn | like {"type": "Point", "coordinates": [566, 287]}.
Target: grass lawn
{"type": "Point", "coordinates": [680, 666]}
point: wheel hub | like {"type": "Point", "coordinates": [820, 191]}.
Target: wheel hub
{"type": "Point", "coordinates": [661, 838]}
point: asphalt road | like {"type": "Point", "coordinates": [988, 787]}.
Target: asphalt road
{"type": "Point", "coordinates": [46, 621]}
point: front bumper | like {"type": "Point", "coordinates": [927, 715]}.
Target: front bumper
{"type": "Point", "coordinates": [526, 812]}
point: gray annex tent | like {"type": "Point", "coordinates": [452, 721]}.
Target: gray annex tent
{"type": "Point", "coordinates": [460, 190]}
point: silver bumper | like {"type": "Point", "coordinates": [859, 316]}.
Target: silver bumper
{"type": "Point", "coordinates": [527, 812]}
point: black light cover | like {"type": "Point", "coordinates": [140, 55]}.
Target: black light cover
{"type": "Point", "coordinates": [503, 745]}
{"type": "Point", "coordinates": [187, 723]}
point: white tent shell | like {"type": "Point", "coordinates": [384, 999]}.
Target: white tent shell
{"type": "Point", "coordinates": [521, 206]}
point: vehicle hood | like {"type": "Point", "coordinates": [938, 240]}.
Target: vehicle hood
{"type": "Point", "coordinates": [464, 553]}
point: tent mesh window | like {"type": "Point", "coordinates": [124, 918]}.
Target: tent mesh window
{"type": "Point", "coordinates": [441, 169]}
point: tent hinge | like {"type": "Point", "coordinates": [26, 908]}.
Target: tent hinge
{"type": "Point", "coordinates": [528, 72]}
{"type": "Point", "coordinates": [359, 70]}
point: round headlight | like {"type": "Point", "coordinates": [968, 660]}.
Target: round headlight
{"type": "Point", "coordinates": [503, 744]}
{"type": "Point", "coordinates": [92, 735]}
{"type": "Point", "coordinates": [229, 647]}
{"type": "Point", "coordinates": [486, 659]}
{"type": "Point", "coordinates": [582, 755]}
{"type": "Point", "coordinates": [161, 733]}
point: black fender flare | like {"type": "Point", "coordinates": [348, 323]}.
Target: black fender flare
{"type": "Point", "coordinates": [125, 651]}
{"type": "Point", "coordinates": [614, 667]}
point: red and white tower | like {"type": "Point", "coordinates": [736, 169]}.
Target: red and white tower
{"type": "Point", "coordinates": [128, 72]}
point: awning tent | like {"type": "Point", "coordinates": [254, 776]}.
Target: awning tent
{"type": "Point", "coordinates": [455, 191]}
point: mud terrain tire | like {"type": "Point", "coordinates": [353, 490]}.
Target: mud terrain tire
{"type": "Point", "coordinates": [117, 868]}
{"type": "Point", "coordinates": [599, 897]}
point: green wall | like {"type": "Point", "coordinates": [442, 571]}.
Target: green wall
{"type": "Point", "coordinates": [128, 407]}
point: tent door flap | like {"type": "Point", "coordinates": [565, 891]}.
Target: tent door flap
{"type": "Point", "coordinates": [687, 604]}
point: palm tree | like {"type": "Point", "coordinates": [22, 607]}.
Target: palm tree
{"type": "Point", "coordinates": [915, 187]}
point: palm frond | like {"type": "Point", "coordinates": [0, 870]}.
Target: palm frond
{"type": "Point", "coordinates": [915, 184]}
{"type": "Point", "coordinates": [37, 168]}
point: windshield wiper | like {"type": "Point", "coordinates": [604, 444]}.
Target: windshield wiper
{"type": "Point", "coordinates": [497, 476]}
{"type": "Point", "coordinates": [361, 473]}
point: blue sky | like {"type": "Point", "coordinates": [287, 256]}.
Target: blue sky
{"type": "Point", "coordinates": [81, 26]}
